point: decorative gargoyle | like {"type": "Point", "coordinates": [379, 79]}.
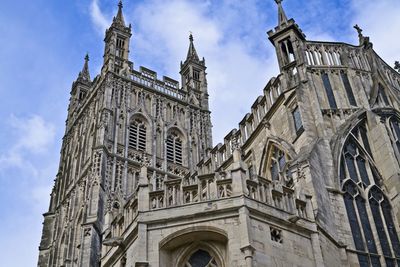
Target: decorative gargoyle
{"type": "Point", "coordinates": [397, 66]}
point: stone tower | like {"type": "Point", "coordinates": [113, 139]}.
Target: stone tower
{"type": "Point", "coordinates": [122, 127]}
{"type": "Point", "coordinates": [310, 177]}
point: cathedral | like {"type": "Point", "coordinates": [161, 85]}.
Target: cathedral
{"type": "Point", "coordinates": [309, 178]}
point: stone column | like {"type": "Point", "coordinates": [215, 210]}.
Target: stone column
{"type": "Point", "coordinates": [316, 247]}
{"type": "Point", "coordinates": [143, 188]}
{"type": "Point", "coordinates": [143, 205]}
{"type": "Point", "coordinates": [248, 255]}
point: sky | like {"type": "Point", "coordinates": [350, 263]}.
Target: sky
{"type": "Point", "coordinates": [43, 44]}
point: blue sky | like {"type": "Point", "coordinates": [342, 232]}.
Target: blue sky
{"type": "Point", "coordinates": [42, 48]}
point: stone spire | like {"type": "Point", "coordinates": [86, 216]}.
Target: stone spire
{"type": "Point", "coordinates": [84, 75]}
{"type": "Point", "coordinates": [119, 19]}
{"type": "Point", "coordinates": [282, 19]}
{"type": "Point", "coordinates": [192, 53]}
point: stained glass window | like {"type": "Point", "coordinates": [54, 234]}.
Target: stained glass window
{"type": "Point", "coordinates": [354, 224]}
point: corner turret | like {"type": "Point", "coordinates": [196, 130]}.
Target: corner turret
{"type": "Point", "coordinates": [287, 38]}
{"type": "Point", "coordinates": [193, 75]}
{"type": "Point", "coordinates": [117, 39]}
{"type": "Point", "coordinates": [80, 88]}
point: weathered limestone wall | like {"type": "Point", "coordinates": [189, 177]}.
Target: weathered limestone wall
{"type": "Point", "coordinates": [295, 248]}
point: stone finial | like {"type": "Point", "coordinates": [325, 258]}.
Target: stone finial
{"type": "Point", "coordinates": [397, 66]}
{"type": "Point", "coordinates": [363, 40]}
{"type": "Point", "coordinates": [191, 36]}
{"type": "Point", "coordinates": [359, 30]}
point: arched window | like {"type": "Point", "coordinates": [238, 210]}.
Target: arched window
{"type": "Point", "coordinates": [367, 216]}
{"type": "Point", "coordinates": [174, 149]}
{"type": "Point", "coordinates": [276, 163]}
{"type": "Point", "coordinates": [201, 258]}
{"type": "Point", "coordinates": [137, 135]}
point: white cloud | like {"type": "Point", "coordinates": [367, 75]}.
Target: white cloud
{"type": "Point", "coordinates": [35, 134]}
{"type": "Point", "coordinates": [240, 60]}
{"type": "Point", "coordinates": [31, 135]}
{"type": "Point", "coordinates": [380, 21]}
{"type": "Point", "coordinates": [26, 164]}
{"type": "Point", "coordinates": [98, 18]}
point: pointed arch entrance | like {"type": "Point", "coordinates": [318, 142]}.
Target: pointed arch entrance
{"type": "Point", "coordinates": [200, 246]}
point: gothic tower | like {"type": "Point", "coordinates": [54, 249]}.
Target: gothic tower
{"type": "Point", "coordinates": [123, 127]}
{"type": "Point", "coordinates": [311, 176]}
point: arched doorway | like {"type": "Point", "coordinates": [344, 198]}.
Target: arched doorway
{"type": "Point", "coordinates": [200, 246]}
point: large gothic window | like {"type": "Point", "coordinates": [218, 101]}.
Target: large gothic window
{"type": "Point", "coordinates": [369, 211]}
{"type": "Point", "coordinates": [201, 258]}
{"type": "Point", "coordinates": [137, 135]}
{"type": "Point", "coordinates": [174, 149]}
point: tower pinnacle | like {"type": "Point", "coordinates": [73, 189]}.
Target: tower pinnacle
{"type": "Point", "coordinates": [84, 75]}
{"type": "Point", "coordinates": [282, 19]}
{"type": "Point", "coordinates": [192, 53]}
{"type": "Point", "coordinates": [116, 53]}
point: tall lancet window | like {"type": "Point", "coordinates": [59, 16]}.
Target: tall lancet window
{"type": "Point", "coordinates": [137, 135]}
{"type": "Point", "coordinates": [174, 148]}
{"type": "Point", "coordinates": [277, 160]}
{"type": "Point", "coordinates": [287, 51]}
{"type": "Point", "coordinates": [383, 98]}
{"type": "Point", "coordinates": [369, 211]}
{"type": "Point", "coordinates": [120, 47]}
